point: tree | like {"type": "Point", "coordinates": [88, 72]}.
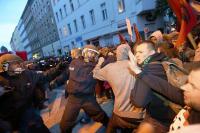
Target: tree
{"type": "Point", "coordinates": [162, 7]}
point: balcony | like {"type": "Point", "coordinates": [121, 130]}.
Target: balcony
{"type": "Point", "coordinates": [143, 6]}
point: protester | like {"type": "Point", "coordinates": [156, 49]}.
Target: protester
{"type": "Point", "coordinates": [146, 62]}
{"type": "Point", "coordinates": [156, 37]}
{"type": "Point", "coordinates": [103, 87]}
{"type": "Point", "coordinates": [192, 90]}
{"type": "Point", "coordinates": [125, 115]}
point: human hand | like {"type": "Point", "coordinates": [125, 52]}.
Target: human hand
{"type": "Point", "coordinates": [52, 85]}
{"type": "Point", "coordinates": [101, 61]}
{"type": "Point", "coordinates": [133, 63]}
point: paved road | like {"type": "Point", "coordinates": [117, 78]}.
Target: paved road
{"type": "Point", "coordinates": [52, 116]}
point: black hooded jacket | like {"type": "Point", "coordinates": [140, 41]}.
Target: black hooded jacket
{"type": "Point", "coordinates": [14, 103]}
{"type": "Point", "coordinates": [152, 81]}
{"type": "Point", "coordinates": [154, 77]}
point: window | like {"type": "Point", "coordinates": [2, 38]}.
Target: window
{"type": "Point", "coordinates": [75, 25]}
{"type": "Point", "coordinates": [54, 2]}
{"type": "Point", "coordinates": [61, 13]}
{"type": "Point", "coordinates": [121, 6]}
{"type": "Point", "coordinates": [73, 44]}
{"type": "Point", "coordinates": [52, 21]}
{"type": "Point", "coordinates": [69, 29]}
{"type": "Point", "coordinates": [78, 2]}
{"type": "Point", "coordinates": [104, 11]}
{"type": "Point", "coordinates": [57, 17]}
{"type": "Point", "coordinates": [83, 21]}
{"type": "Point", "coordinates": [65, 30]}
{"type": "Point", "coordinates": [92, 16]}
{"type": "Point", "coordinates": [65, 9]}
{"type": "Point", "coordinates": [60, 32]}
{"type": "Point", "coordinates": [71, 5]}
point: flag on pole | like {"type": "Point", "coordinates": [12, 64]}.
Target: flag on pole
{"type": "Point", "coordinates": [186, 17]}
{"type": "Point", "coordinates": [121, 38]}
{"type": "Point", "coordinates": [137, 34]}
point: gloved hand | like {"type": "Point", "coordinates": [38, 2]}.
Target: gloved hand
{"type": "Point", "coordinates": [133, 63]}
{"type": "Point", "coordinates": [52, 85]}
{"type": "Point", "coordinates": [4, 90]}
{"type": "Point", "coordinates": [101, 61]}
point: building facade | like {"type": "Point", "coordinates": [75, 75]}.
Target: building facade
{"type": "Point", "coordinates": [53, 27]}
{"type": "Point", "coordinates": [17, 41]}
{"type": "Point", "coordinates": [41, 38]}
{"type": "Point", "coordinates": [46, 28]}
{"type": "Point", "coordinates": [24, 39]}
{"type": "Point", "coordinates": [33, 46]}
{"type": "Point", "coordinates": [80, 22]}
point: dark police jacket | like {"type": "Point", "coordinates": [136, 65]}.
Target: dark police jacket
{"type": "Point", "coordinates": [14, 103]}
{"type": "Point", "coordinates": [81, 81]}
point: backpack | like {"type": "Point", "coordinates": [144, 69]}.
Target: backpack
{"type": "Point", "coordinates": [176, 74]}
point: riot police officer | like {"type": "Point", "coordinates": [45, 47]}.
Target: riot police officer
{"type": "Point", "coordinates": [81, 89]}
{"type": "Point", "coordinates": [16, 109]}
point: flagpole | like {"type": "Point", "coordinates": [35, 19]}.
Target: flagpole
{"type": "Point", "coordinates": [190, 37]}
{"type": "Point", "coordinates": [131, 37]}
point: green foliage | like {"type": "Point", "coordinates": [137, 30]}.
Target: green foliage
{"type": "Point", "coordinates": [162, 8]}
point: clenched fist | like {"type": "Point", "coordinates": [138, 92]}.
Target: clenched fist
{"type": "Point", "coordinates": [101, 61]}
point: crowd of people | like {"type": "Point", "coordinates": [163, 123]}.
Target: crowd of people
{"type": "Point", "coordinates": [155, 87]}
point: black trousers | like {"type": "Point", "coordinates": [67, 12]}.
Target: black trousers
{"type": "Point", "coordinates": [126, 125]}
{"type": "Point", "coordinates": [28, 121]}
{"type": "Point", "coordinates": [89, 104]}
{"type": "Point", "coordinates": [31, 122]}
{"type": "Point", "coordinates": [5, 127]}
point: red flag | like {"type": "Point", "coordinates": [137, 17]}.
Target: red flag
{"type": "Point", "coordinates": [122, 39]}
{"type": "Point", "coordinates": [185, 16]}
{"type": "Point", "coordinates": [137, 34]}
{"type": "Point", "coordinates": [22, 54]}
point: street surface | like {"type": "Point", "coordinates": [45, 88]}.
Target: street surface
{"type": "Point", "coordinates": [53, 114]}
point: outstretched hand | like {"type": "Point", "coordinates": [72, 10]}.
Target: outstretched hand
{"type": "Point", "coordinates": [133, 63]}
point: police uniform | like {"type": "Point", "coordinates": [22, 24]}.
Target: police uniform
{"type": "Point", "coordinates": [80, 89]}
